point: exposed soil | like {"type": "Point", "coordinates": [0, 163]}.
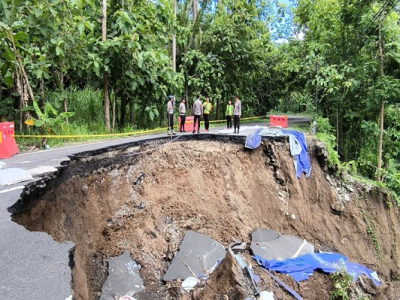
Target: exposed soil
{"type": "Point", "coordinates": [116, 201]}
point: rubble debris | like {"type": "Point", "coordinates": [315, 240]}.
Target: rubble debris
{"type": "Point", "coordinates": [123, 278]}
{"type": "Point", "coordinates": [139, 178]}
{"type": "Point", "coordinates": [265, 295]}
{"type": "Point", "coordinates": [126, 298]}
{"type": "Point", "coordinates": [282, 284]}
{"type": "Point", "coordinates": [200, 252]}
{"type": "Point", "coordinates": [269, 244]}
{"type": "Point", "coordinates": [239, 245]}
{"type": "Point", "coordinates": [189, 283]}
{"type": "Point", "coordinates": [142, 205]}
{"type": "Point", "coordinates": [228, 279]}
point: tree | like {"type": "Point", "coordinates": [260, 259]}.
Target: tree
{"type": "Point", "coordinates": [106, 84]}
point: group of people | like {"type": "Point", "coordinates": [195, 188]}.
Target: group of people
{"type": "Point", "coordinates": [199, 109]}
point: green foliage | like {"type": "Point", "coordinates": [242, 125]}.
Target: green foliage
{"type": "Point", "coordinates": [325, 134]}
{"type": "Point", "coordinates": [342, 283]}
{"type": "Point", "coordinates": [47, 122]}
{"type": "Point", "coordinates": [88, 107]}
{"type": "Point", "coordinates": [350, 167]}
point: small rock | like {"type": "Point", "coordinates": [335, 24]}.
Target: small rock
{"type": "Point", "coordinates": [338, 207]}
{"type": "Point", "coordinates": [346, 198]}
{"type": "Point", "coordinates": [293, 217]}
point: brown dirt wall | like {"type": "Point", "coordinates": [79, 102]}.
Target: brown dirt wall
{"type": "Point", "coordinates": [218, 189]}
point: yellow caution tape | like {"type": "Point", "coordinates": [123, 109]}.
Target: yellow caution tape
{"type": "Point", "coordinates": [133, 133]}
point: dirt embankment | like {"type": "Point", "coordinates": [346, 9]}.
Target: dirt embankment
{"type": "Point", "coordinates": [146, 203]}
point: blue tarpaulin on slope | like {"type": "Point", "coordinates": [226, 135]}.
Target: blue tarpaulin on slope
{"type": "Point", "coordinates": [303, 160]}
{"type": "Point", "coordinates": [302, 267]}
{"type": "Point", "coordinates": [253, 140]}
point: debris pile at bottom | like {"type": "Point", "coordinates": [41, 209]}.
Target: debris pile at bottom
{"type": "Point", "coordinates": [202, 266]}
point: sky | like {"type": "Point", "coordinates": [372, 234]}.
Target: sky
{"type": "Point", "coordinates": [282, 20]}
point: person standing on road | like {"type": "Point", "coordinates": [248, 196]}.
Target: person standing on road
{"type": "Point", "coordinates": [237, 112]}
{"type": "Point", "coordinates": [182, 113]}
{"type": "Point", "coordinates": [229, 114]}
{"type": "Point", "coordinates": [197, 111]}
{"type": "Point", "coordinates": [207, 110]}
{"type": "Point", "coordinates": [170, 115]}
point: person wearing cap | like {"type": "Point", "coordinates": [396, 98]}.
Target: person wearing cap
{"type": "Point", "coordinates": [197, 111]}
{"type": "Point", "coordinates": [237, 112]}
{"type": "Point", "coordinates": [170, 114]}
{"type": "Point", "coordinates": [182, 113]}
{"type": "Point", "coordinates": [207, 110]}
{"type": "Point", "coordinates": [229, 114]}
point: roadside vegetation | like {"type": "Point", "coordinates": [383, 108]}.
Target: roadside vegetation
{"type": "Point", "coordinates": [74, 67]}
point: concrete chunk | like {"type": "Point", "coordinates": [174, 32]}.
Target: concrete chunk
{"type": "Point", "coordinates": [123, 278]}
{"type": "Point", "coordinates": [270, 244]}
{"type": "Point", "coordinates": [42, 170]}
{"type": "Point", "coordinates": [200, 252]}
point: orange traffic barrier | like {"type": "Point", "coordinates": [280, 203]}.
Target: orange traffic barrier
{"type": "Point", "coordinates": [8, 146]}
{"type": "Point", "coordinates": [188, 123]}
{"type": "Point", "coordinates": [281, 121]}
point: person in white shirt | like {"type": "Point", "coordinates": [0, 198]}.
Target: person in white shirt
{"type": "Point", "coordinates": [197, 110]}
{"type": "Point", "coordinates": [170, 115]}
{"type": "Point", "coordinates": [182, 113]}
{"type": "Point", "coordinates": [237, 112]}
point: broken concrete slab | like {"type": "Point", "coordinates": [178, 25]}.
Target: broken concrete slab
{"type": "Point", "coordinates": [42, 170]}
{"type": "Point", "coordinates": [123, 278]}
{"type": "Point", "coordinates": [12, 176]}
{"type": "Point", "coordinates": [270, 244]}
{"type": "Point", "coordinates": [200, 252]}
{"type": "Point", "coordinates": [264, 235]}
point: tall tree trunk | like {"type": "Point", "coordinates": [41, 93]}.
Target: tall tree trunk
{"type": "Point", "coordinates": [194, 8]}
{"type": "Point", "coordinates": [187, 99]}
{"type": "Point", "coordinates": [131, 113]}
{"type": "Point", "coordinates": [174, 43]}
{"type": "Point", "coordinates": [21, 98]}
{"type": "Point", "coordinates": [337, 128]}
{"type": "Point", "coordinates": [21, 66]}
{"type": "Point", "coordinates": [113, 110]}
{"type": "Point", "coordinates": [25, 100]}
{"type": "Point", "coordinates": [123, 112]}
{"type": "Point", "coordinates": [41, 102]}
{"type": "Point", "coordinates": [106, 83]}
{"type": "Point", "coordinates": [62, 91]}
{"type": "Point", "coordinates": [218, 108]}
{"type": "Point", "coordinates": [382, 103]}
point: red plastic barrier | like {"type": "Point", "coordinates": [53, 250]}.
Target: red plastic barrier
{"type": "Point", "coordinates": [281, 121]}
{"type": "Point", "coordinates": [188, 123]}
{"type": "Point", "coordinates": [8, 146]}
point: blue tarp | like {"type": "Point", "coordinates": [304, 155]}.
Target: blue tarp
{"type": "Point", "coordinates": [303, 161]}
{"type": "Point", "coordinates": [253, 140]}
{"type": "Point", "coordinates": [302, 267]}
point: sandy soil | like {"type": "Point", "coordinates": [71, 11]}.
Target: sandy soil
{"type": "Point", "coordinates": [146, 203]}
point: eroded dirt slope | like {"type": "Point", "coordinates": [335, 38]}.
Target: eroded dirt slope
{"type": "Point", "coordinates": [146, 203]}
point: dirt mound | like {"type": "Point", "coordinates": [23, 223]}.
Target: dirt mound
{"type": "Point", "coordinates": [145, 203]}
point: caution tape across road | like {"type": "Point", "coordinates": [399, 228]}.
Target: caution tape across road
{"type": "Point", "coordinates": [132, 133]}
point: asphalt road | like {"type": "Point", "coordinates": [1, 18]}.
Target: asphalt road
{"type": "Point", "coordinates": [33, 265]}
